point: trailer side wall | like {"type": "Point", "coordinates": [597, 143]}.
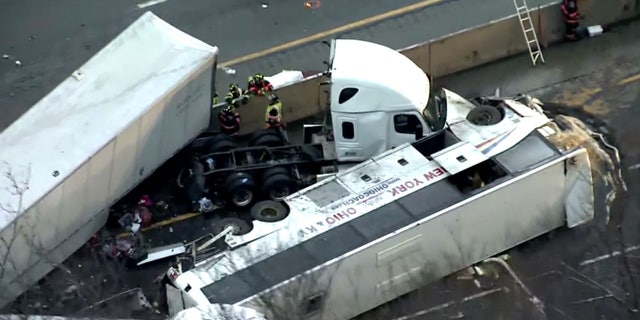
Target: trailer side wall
{"type": "Point", "coordinates": [72, 212]}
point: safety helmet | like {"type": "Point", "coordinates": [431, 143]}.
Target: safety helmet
{"type": "Point", "coordinates": [259, 76]}
{"type": "Point", "coordinates": [232, 86]}
{"type": "Point", "coordinates": [273, 97]}
{"type": "Point", "coordinates": [227, 109]}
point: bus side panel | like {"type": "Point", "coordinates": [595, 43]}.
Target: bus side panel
{"type": "Point", "coordinates": [499, 219]}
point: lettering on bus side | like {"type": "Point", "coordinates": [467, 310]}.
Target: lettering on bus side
{"type": "Point", "coordinates": [367, 195]}
{"type": "Point", "coordinates": [415, 182]}
{"type": "Point", "coordinates": [343, 215]}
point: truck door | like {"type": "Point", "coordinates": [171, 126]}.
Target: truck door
{"type": "Point", "coordinates": [346, 139]}
{"type": "Point", "coordinates": [403, 128]}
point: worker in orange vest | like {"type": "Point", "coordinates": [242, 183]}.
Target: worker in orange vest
{"type": "Point", "coordinates": [571, 17]}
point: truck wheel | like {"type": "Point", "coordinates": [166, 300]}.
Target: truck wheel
{"type": "Point", "coordinates": [259, 138]}
{"type": "Point", "coordinates": [273, 171]}
{"type": "Point", "coordinates": [240, 227]}
{"type": "Point", "coordinates": [220, 143]}
{"type": "Point", "coordinates": [269, 211]}
{"type": "Point", "coordinates": [240, 187]}
{"type": "Point", "coordinates": [278, 186]}
{"type": "Point", "coordinates": [484, 115]}
{"type": "Point", "coordinates": [311, 153]}
{"type": "Point", "coordinates": [268, 140]}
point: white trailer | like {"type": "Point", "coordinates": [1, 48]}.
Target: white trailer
{"type": "Point", "coordinates": [395, 223]}
{"type": "Point", "coordinates": [92, 139]}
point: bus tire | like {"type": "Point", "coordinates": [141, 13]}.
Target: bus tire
{"type": "Point", "coordinates": [269, 211]}
{"type": "Point", "coordinates": [240, 188]}
{"type": "Point", "coordinates": [483, 115]}
{"type": "Point", "coordinates": [240, 227]}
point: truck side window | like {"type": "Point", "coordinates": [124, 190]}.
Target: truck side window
{"type": "Point", "coordinates": [346, 94]}
{"type": "Point", "coordinates": [405, 123]}
{"type": "Point", "coordinates": [348, 131]}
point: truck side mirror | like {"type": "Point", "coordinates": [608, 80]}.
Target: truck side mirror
{"type": "Point", "coordinates": [419, 131]}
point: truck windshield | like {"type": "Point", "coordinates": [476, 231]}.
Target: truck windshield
{"type": "Point", "coordinates": [435, 112]}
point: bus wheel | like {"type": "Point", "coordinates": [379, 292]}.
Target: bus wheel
{"type": "Point", "coordinates": [239, 226]}
{"type": "Point", "coordinates": [240, 188]}
{"type": "Point", "coordinates": [484, 115]}
{"type": "Point", "coordinates": [269, 211]}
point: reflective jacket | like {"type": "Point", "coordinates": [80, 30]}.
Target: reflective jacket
{"type": "Point", "coordinates": [229, 121]}
{"type": "Point", "coordinates": [259, 88]}
{"type": "Point", "coordinates": [570, 12]}
{"type": "Point", "coordinates": [274, 121]}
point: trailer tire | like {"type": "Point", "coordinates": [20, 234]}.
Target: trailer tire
{"type": "Point", "coordinates": [268, 140]}
{"type": "Point", "coordinates": [269, 211]}
{"type": "Point", "coordinates": [278, 186]}
{"type": "Point", "coordinates": [240, 188]}
{"type": "Point", "coordinates": [310, 153]}
{"type": "Point", "coordinates": [273, 171]}
{"type": "Point", "coordinates": [240, 227]}
{"type": "Point", "coordinates": [484, 115]}
{"type": "Point", "coordinates": [258, 138]}
{"type": "Point", "coordinates": [220, 143]}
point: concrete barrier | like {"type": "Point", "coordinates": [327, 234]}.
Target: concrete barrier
{"type": "Point", "coordinates": [453, 53]}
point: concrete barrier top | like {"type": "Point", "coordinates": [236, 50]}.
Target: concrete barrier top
{"type": "Point", "coordinates": [448, 54]}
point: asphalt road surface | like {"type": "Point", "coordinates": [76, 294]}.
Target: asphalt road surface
{"type": "Point", "coordinates": [53, 38]}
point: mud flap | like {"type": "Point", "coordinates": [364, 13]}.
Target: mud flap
{"type": "Point", "coordinates": [579, 193]}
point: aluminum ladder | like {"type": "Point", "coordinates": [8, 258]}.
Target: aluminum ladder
{"type": "Point", "coordinates": [529, 31]}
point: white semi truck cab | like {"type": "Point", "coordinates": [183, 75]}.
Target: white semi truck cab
{"type": "Point", "coordinates": [380, 99]}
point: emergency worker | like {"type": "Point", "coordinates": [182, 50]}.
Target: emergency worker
{"type": "Point", "coordinates": [273, 114]}
{"type": "Point", "coordinates": [570, 16]}
{"type": "Point", "coordinates": [216, 98]}
{"type": "Point", "coordinates": [235, 93]}
{"type": "Point", "coordinates": [229, 121]}
{"type": "Point", "coordinates": [258, 85]}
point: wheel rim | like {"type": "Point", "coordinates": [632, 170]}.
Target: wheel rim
{"type": "Point", "coordinates": [269, 213]}
{"type": "Point", "coordinates": [483, 118]}
{"type": "Point", "coordinates": [279, 192]}
{"type": "Point", "coordinates": [242, 198]}
{"type": "Point", "coordinates": [235, 228]}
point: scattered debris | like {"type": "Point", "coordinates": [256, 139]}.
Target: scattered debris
{"type": "Point", "coordinates": [312, 4]}
{"type": "Point", "coordinates": [265, 5]}
{"type": "Point", "coordinates": [605, 165]}
{"type": "Point", "coordinates": [5, 56]}
{"type": "Point", "coordinates": [228, 70]}
{"type": "Point", "coordinates": [32, 37]}
{"type": "Point", "coordinates": [18, 63]}
{"type": "Point", "coordinates": [634, 167]}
